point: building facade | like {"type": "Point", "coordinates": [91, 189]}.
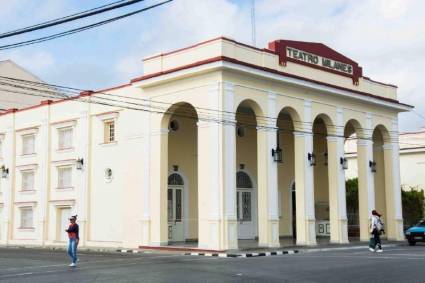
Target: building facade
{"type": "Point", "coordinates": [216, 142]}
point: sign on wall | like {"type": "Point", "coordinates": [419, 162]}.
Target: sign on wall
{"type": "Point", "coordinates": [316, 55]}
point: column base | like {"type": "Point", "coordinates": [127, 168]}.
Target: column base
{"type": "Point", "coordinates": [272, 239]}
{"type": "Point", "coordinates": [212, 239]}
{"type": "Point", "coordinates": [308, 236]}
{"type": "Point", "coordinates": [398, 231]}
{"type": "Point", "coordinates": [341, 233]}
{"type": "Point", "coordinates": [231, 235]}
{"type": "Point", "coordinates": [145, 225]}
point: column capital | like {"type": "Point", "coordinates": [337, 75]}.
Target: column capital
{"type": "Point", "coordinates": [159, 132]}
{"type": "Point", "coordinates": [364, 142]}
{"type": "Point", "coordinates": [335, 138]}
{"type": "Point", "coordinates": [302, 134]}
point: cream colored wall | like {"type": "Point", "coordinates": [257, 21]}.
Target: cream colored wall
{"type": "Point", "coordinates": [412, 166]}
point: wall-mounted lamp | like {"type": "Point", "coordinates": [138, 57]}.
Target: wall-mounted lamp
{"type": "Point", "coordinates": [325, 155]}
{"type": "Point", "coordinates": [4, 172]}
{"type": "Point", "coordinates": [277, 153]}
{"type": "Point", "coordinates": [372, 165]}
{"type": "Point", "coordinates": [311, 159]}
{"type": "Point", "coordinates": [344, 163]}
{"type": "Point", "coordinates": [79, 163]}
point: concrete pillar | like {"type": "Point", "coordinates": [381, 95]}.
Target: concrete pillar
{"type": "Point", "coordinates": [209, 193]}
{"type": "Point", "coordinates": [83, 194]}
{"type": "Point", "coordinates": [366, 184]}
{"type": "Point", "coordinates": [43, 148]}
{"type": "Point", "coordinates": [7, 184]}
{"type": "Point", "coordinates": [230, 226]}
{"type": "Point", "coordinates": [337, 199]}
{"type": "Point", "coordinates": [304, 191]}
{"type": "Point", "coordinates": [158, 182]}
{"type": "Point", "coordinates": [145, 219]}
{"type": "Point", "coordinates": [394, 216]}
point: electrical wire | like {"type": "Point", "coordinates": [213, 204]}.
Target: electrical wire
{"type": "Point", "coordinates": [72, 95]}
{"type": "Point", "coordinates": [69, 18]}
{"type": "Point", "coordinates": [80, 29]}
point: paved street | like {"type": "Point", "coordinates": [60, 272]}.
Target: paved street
{"type": "Point", "coordinates": [396, 264]}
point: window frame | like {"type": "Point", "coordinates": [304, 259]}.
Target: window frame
{"type": "Point", "coordinates": [109, 130]}
{"type": "Point", "coordinates": [60, 180]}
{"type": "Point", "coordinates": [23, 225]}
{"type": "Point", "coordinates": [61, 145]}
{"type": "Point", "coordinates": [24, 187]}
{"type": "Point", "coordinates": [23, 148]}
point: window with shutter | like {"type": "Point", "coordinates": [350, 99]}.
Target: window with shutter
{"type": "Point", "coordinates": [109, 131]}
{"type": "Point", "coordinates": [27, 180]}
{"type": "Point", "coordinates": [65, 138]}
{"type": "Point", "coordinates": [28, 144]}
{"type": "Point", "coordinates": [27, 217]}
{"type": "Point", "coordinates": [65, 177]}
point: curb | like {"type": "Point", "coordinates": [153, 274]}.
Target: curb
{"type": "Point", "coordinates": [273, 253]}
{"type": "Point", "coordinates": [128, 251]}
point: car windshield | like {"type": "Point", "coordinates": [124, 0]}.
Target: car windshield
{"type": "Point", "coordinates": [421, 223]}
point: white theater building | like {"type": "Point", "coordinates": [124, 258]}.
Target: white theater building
{"type": "Point", "coordinates": [215, 143]}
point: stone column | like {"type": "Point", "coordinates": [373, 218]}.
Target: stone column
{"type": "Point", "coordinates": [268, 214]}
{"type": "Point", "coordinates": [366, 179]}
{"type": "Point", "coordinates": [337, 199]}
{"type": "Point", "coordinates": [394, 216]}
{"type": "Point", "coordinates": [229, 168]}
{"type": "Point", "coordinates": [158, 182]}
{"type": "Point", "coordinates": [209, 185]}
{"type": "Point", "coordinates": [304, 191]}
{"type": "Point", "coordinates": [336, 175]}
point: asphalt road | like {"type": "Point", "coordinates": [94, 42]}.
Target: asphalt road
{"type": "Point", "coordinates": [397, 264]}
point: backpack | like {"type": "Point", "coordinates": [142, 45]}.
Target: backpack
{"type": "Point", "coordinates": [379, 225]}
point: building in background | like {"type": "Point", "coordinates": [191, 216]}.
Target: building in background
{"type": "Point", "coordinates": [412, 160]}
{"type": "Point", "coordinates": [215, 143]}
{"type": "Point", "coordinates": [12, 97]}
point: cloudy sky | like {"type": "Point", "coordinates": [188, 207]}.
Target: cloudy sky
{"type": "Point", "coordinates": [386, 37]}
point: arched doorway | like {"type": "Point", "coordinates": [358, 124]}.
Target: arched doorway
{"type": "Point", "coordinates": [246, 205]}
{"type": "Point", "coordinates": [182, 167]}
{"type": "Point", "coordinates": [175, 204]}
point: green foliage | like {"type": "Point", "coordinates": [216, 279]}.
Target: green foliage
{"type": "Point", "coordinates": [352, 195]}
{"type": "Point", "coordinates": [413, 206]}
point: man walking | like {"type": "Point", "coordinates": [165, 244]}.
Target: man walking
{"type": "Point", "coordinates": [73, 240]}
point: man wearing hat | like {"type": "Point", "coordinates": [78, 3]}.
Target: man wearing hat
{"type": "Point", "coordinates": [73, 239]}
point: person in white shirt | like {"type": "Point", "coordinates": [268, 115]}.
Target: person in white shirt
{"type": "Point", "coordinates": [376, 228]}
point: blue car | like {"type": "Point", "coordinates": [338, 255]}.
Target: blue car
{"type": "Point", "coordinates": [416, 233]}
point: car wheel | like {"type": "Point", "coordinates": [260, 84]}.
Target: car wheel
{"type": "Point", "coordinates": [412, 243]}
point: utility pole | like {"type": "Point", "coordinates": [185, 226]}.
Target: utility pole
{"type": "Point", "coordinates": [253, 30]}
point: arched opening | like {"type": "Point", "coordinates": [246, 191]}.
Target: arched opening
{"type": "Point", "coordinates": [379, 137]}
{"type": "Point", "coordinates": [319, 160]}
{"type": "Point", "coordinates": [246, 160]}
{"type": "Point", "coordinates": [287, 122]}
{"type": "Point", "coordinates": [352, 133]}
{"type": "Point", "coordinates": [182, 183]}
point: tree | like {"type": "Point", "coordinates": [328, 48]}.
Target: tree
{"type": "Point", "coordinates": [413, 206]}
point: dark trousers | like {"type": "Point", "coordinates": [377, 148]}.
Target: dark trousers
{"type": "Point", "coordinates": [376, 240]}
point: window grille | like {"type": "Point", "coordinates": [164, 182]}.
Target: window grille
{"type": "Point", "coordinates": [175, 180]}
{"type": "Point", "coordinates": [243, 180]}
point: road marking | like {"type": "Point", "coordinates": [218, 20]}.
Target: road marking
{"type": "Point", "coordinates": [103, 267]}
{"type": "Point", "coordinates": [375, 256]}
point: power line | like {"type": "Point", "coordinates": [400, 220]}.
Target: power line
{"type": "Point", "coordinates": [197, 115]}
{"type": "Point", "coordinates": [69, 18]}
{"type": "Point", "coordinates": [80, 29]}
{"type": "Point", "coordinates": [66, 92]}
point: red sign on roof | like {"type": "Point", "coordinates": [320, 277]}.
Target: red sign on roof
{"type": "Point", "coordinates": [316, 55]}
